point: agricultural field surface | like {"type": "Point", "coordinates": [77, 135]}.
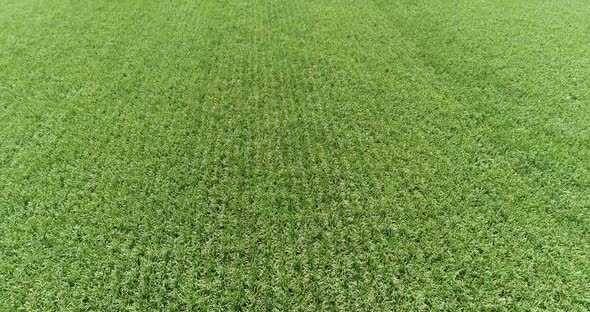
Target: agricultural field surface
{"type": "Point", "coordinates": [294, 155]}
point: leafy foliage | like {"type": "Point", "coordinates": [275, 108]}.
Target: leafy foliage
{"type": "Point", "coordinates": [294, 155]}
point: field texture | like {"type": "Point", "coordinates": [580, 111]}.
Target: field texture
{"type": "Point", "coordinates": [294, 155]}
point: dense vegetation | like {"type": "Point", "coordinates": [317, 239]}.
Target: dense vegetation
{"type": "Point", "coordinates": [294, 155]}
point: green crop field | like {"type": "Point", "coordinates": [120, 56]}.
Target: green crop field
{"type": "Point", "coordinates": [354, 155]}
